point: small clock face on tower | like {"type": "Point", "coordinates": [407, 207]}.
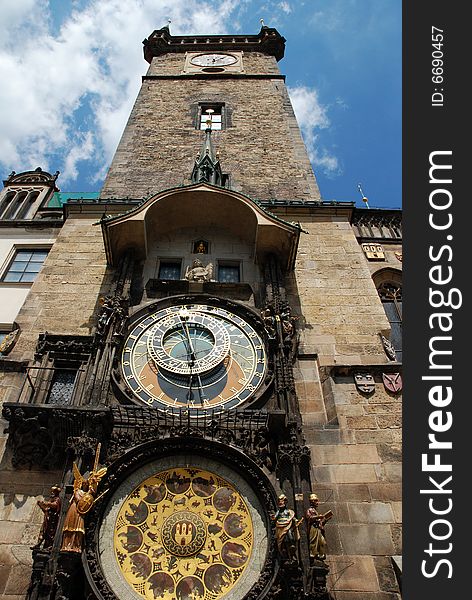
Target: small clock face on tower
{"type": "Point", "coordinates": [213, 60]}
{"type": "Point", "coordinates": [193, 356]}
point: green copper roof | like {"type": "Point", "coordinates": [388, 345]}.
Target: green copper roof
{"type": "Point", "coordinates": [60, 198]}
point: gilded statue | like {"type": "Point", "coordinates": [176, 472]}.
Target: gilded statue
{"type": "Point", "coordinates": [287, 535]}
{"type": "Point", "coordinates": [51, 510]}
{"type": "Point", "coordinates": [197, 272]}
{"type": "Point", "coordinates": [200, 247]}
{"type": "Point", "coordinates": [316, 533]}
{"type": "Point", "coordinates": [82, 500]}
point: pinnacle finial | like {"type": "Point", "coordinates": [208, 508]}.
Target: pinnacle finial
{"type": "Point", "coordinates": [167, 26]}
{"type": "Point", "coordinates": [364, 198]}
{"type": "Point", "coordinates": [262, 22]}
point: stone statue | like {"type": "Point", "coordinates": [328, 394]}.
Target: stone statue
{"type": "Point", "coordinates": [51, 509]}
{"type": "Point", "coordinates": [269, 321]}
{"type": "Point", "coordinates": [197, 272]}
{"type": "Point", "coordinates": [82, 500]}
{"type": "Point", "coordinates": [316, 534]}
{"type": "Point", "coordinates": [286, 530]}
{"type": "Point", "coordinates": [288, 325]}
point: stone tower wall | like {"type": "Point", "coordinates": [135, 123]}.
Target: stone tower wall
{"type": "Point", "coordinates": [262, 148]}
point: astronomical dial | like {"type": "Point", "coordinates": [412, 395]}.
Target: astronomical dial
{"type": "Point", "coordinates": [182, 527]}
{"type": "Point", "coordinates": [188, 343]}
{"type": "Point", "coordinates": [193, 356]}
{"type": "Point", "coordinates": [183, 533]}
{"type": "Point", "coordinates": [213, 60]}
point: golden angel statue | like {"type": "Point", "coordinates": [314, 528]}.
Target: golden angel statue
{"type": "Point", "coordinates": [82, 500]}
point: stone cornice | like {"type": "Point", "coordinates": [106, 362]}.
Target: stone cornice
{"type": "Point", "coordinates": [268, 40]}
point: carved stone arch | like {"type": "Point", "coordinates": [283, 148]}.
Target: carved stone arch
{"type": "Point", "coordinates": [388, 281]}
{"type": "Point", "coordinates": [389, 275]}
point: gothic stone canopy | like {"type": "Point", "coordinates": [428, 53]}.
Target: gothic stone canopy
{"type": "Point", "coordinates": [200, 205]}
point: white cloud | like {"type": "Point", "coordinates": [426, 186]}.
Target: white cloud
{"type": "Point", "coordinates": [285, 7]}
{"type": "Point", "coordinates": [313, 116]}
{"type": "Point", "coordinates": [95, 58]}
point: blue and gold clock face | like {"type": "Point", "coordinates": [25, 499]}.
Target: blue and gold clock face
{"type": "Point", "coordinates": [194, 356]}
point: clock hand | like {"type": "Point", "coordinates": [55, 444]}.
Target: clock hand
{"type": "Point", "coordinates": [200, 388]}
{"type": "Point", "coordinates": [183, 316]}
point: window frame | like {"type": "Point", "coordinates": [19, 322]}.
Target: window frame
{"type": "Point", "coordinates": [203, 106]}
{"type": "Point", "coordinates": [10, 259]}
{"type": "Point", "coordinates": [229, 263]}
{"type": "Point", "coordinates": [393, 299]}
{"type": "Point", "coordinates": [51, 378]}
{"type": "Point", "coordinates": [165, 260]}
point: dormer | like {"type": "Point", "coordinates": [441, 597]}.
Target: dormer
{"type": "Point", "coordinates": [24, 193]}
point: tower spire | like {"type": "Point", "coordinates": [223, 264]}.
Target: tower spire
{"type": "Point", "coordinates": [207, 168]}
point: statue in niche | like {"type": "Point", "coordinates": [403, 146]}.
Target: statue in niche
{"type": "Point", "coordinates": [197, 272]}
{"type": "Point", "coordinates": [51, 510]}
{"type": "Point", "coordinates": [82, 500]}
{"type": "Point", "coordinates": [287, 535]}
{"type": "Point", "coordinates": [316, 534]}
{"type": "Point", "coordinates": [200, 247]}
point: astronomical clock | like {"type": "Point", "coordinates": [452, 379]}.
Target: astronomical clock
{"type": "Point", "coordinates": [193, 356]}
{"type": "Point", "coordinates": [187, 518]}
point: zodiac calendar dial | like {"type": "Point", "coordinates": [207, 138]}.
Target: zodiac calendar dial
{"type": "Point", "coordinates": [183, 534]}
{"type": "Point", "coordinates": [193, 356]}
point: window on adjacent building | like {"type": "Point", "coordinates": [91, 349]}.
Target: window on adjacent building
{"type": "Point", "coordinates": [18, 205]}
{"type": "Point", "coordinates": [228, 273]}
{"type": "Point", "coordinates": [25, 265]}
{"type": "Point", "coordinates": [213, 113]}
{"type": "Point", "coordinates": [5, 206]}
{"type": "Point", "coordinates": [169, 269]}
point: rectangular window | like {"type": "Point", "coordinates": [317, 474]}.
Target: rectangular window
{"type": "Point", "coordinates": [25, 266]}
{"type": "Point", "coordinates": [169, 269]}
{"type": "Point", "coordinates": [62, 386]}
{"type": "Point", "coordinates": [228, 273]}
{"type": "Point", "coordinates": [213, 113]}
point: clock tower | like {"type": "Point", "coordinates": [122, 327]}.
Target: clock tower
{"type": "Point", "coordinates": [212, 371]}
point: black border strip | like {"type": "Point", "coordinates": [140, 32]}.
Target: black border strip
{"type": "Point", "coordinates": [435, 124]}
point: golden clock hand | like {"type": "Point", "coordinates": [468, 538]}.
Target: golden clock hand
{"type": "Point", "coordinates": [183, 316]}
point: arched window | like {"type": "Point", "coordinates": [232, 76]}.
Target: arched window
{"type": "Point", "coordinates": [389, 287]}
{"type": "Point", "coordinates": [23, 213]}
{"type": "Point", "coordinates": [5, 206]}
{"type": "Point", "coordinates": [15, 206]}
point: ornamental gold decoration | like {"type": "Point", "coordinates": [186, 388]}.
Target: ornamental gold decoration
{"type": "Point", "coordinates": [183, 534]}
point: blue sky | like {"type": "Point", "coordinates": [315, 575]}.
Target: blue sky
{"type": "Point", "coordinates": [71, 69]}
